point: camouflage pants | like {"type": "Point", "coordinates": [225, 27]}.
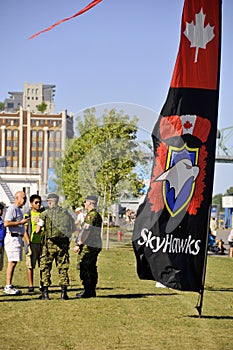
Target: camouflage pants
{"type": "Point", "coordinates": [60, 253]}
{"type": "Point", "coordinates": [87, 264]}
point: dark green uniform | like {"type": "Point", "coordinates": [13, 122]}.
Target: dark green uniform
{"type": "Point", "coordinates": [58, 227]}
{"type": "Point", "coordinates": [90, 250]}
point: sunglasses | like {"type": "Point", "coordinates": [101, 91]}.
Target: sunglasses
{"type": "Point", "coordinates": [38, 202]}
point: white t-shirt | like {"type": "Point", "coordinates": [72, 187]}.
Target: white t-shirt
{"type": "Point", "coordinates": [230, 236]}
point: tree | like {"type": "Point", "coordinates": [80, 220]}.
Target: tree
{"type": "Point", "coordinates": [42, 107]}
{"type": "Point", "coordinates": [217, 200]}
{"type": "Point", "coordinates": [101, 159]}
{"type": "Point", "coordinates": [2, 106]}
{"type": "Point", "coordinates": [229, 191]}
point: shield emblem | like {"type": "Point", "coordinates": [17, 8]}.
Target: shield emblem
{"type": "Point", "coordinates": [179, 178]}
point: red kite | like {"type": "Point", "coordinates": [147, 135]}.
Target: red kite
{"type": "Point", "coordinates": [88, 7]}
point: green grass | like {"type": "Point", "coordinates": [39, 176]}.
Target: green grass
{"type": "Point", "coordinates": [127, 314]}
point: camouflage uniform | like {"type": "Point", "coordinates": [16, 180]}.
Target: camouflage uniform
{"type": "Point", "coordinates": [89, 251]}
{"type": "Point", "coordinates": [54, 247]}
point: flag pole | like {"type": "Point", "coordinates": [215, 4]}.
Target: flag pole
{"type": "Point", "coordinates": [201, 293]}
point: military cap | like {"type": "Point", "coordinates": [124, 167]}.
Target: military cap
{"type": "Point", "coordinates": [52, 195]}
{"type": "Point", "coordinates": [91, 199]}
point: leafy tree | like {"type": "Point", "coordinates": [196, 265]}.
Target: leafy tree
{"type": "Point", "coordinates": [229, 191]}
{"type": "Point", "coordinates": [217, 199]}
{"type": "Point", "coordinates": [2, 106]}
{"type": "Point", "coordinates": [101, 159]}
{"type": "Point", "coordinates": [42, 107]}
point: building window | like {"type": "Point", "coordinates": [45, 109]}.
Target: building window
{"type": "Point", "coordinates": [15, 163]}
{"type": "Point", "coordinates": [28, 98]}
{"type": "Point", "coordinates": [8, 143]}
{"type": "Point", "coordinates": [28, 91]}
{"type": "Point", "coordinates": [8, 133]}
{"type": "Point", "coordinates": [33, 163]}
{"type": "Point", "coordinates": [33, 144]}
{"type": "Point", "coordinates": [57, 135]}
{"type": "Point", "coordinates": [40, 163]}
{"type": "Point", "coordinates": [34, 134]}
{"type": "Point", "coordinates": [33, 153]}
{"type": "Point", "coordinates": [15, 144]}
{"type": "Point", "coordinates": [40, 134]}
{"type": "Point", "coordinates": [58, 154]}
{"type": "Point", "coordinates": [8, 163]}
{"type": "Point", "coordinates": [40, 154]}
{"type": "Point", "coordinates": [40, 144]}
{"type": "Point", "coordinates": [8, 153]}
{"type": "Point", "coordinates": [10, 105]}
{"type": "Point", "coordinates": [15, 134]}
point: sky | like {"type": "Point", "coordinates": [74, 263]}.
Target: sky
{"type": "Point", "coordinates": [121, 52]}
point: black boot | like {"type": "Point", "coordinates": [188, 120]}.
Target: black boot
{"type": "Point", "coordinates": [88, 292]}
{"type": "Point", "coordinates": [45, 294]}
{"type": "Point", "coordinates": [64, 295]}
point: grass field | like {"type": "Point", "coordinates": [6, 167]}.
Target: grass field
{"type": "Point", "coordinates": [127, 314]}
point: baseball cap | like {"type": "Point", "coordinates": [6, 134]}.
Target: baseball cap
{"type": "Point", "coordinates": [79, 208]}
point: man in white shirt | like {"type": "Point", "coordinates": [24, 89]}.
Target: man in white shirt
{"type": "Point", "coordinates": [14, 223]}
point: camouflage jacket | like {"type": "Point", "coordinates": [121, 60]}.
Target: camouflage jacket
{"type": "Point", "coordinates": [92, 224]}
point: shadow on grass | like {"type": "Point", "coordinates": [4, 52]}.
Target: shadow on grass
{"type": "Point", "coordinates": [134, 296]}
{"type": "Point", "coordinates": [206, 317]}
{"type": "Point", "coordinates": [111, 296]}
{"type": "Point", "coordinates": [212, 289]}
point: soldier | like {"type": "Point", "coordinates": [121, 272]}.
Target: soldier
{"type": "Point", "coordinates": [88, 247]}
{"type": "Point", "coordinates": [58, 227]}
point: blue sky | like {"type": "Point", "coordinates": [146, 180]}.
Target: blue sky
{"type": "Point", "coordinates": [119, 51]}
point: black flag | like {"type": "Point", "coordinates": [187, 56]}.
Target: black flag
{"type": "Point", "coordinates": [170, 232]}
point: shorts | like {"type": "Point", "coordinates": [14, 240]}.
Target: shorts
{"type": "Point", "coordinates": [36, 253]}
{"type": "Point", "coordinates": [231, 244]}
{"type": "Point", "coordinates": [1, 258]}
{"type": "Point", "coordinates": [13, 248]}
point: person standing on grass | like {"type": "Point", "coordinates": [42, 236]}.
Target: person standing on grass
{"type": "Point", "coordinates": [33, 252]}
{"type": "Point", "coordinates": [2, 237]}
{"type": "Point", "coordinates": [14, 223]}
{"type": "Point", "coordinates": [58, 228]}
{"type": "Point", "coordinates": [88, 247]}
{"type": "Point", "coordinates": [230, 242]}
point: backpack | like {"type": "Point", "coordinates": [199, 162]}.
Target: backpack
{"type": "Point", "coordinates": [58, 223]}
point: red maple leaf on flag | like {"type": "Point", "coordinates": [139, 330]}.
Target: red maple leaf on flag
{"type": "Point", "coordinates": [187, 125]}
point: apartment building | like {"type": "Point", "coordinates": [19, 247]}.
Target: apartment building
{"type": "Point", "coordinates": [30, 144]}
{"type": "Point", "coordinates": [32, 96]}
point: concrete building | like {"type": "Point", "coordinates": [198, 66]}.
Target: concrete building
{"type": "Point", "coordinates": [30, 144]}
{"type": "Point", "coordinates": [32, 96]}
